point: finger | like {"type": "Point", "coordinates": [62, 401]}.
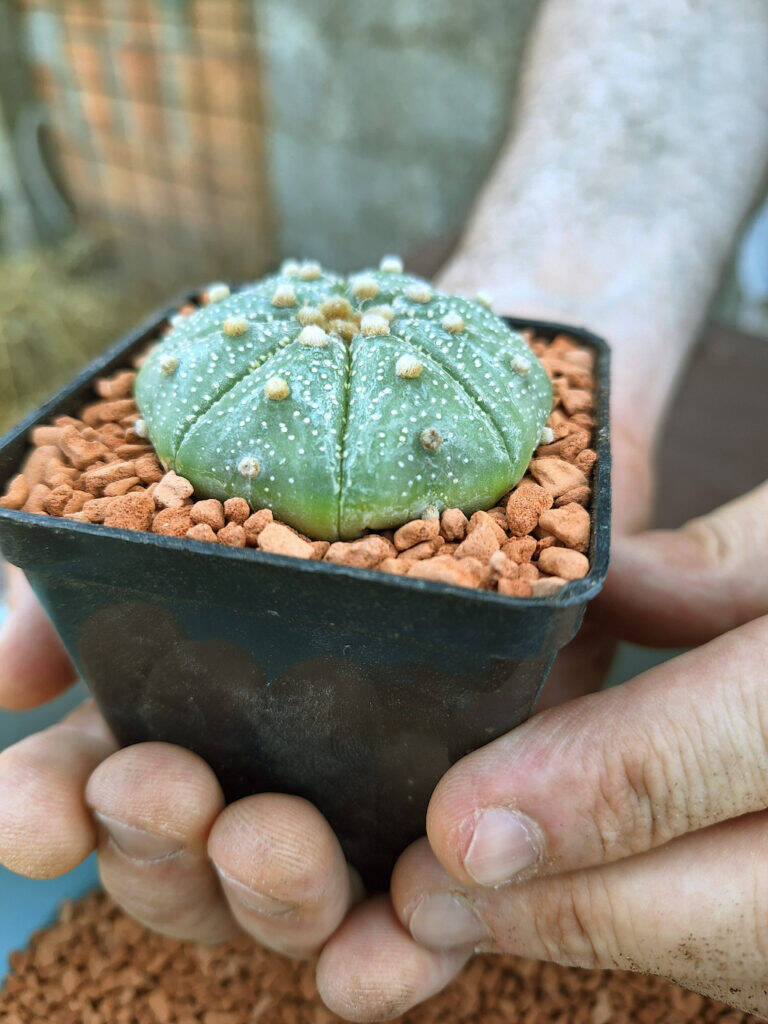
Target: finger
{"type": "Point", "coordinates": [372, 970]}
{"type": "Point", "coordinates": [612, 774]}
{"type": "Point", "coordinates": [693, 911]}
{"type": "Point", "coordinates": [35, 666]}
{"type": "Point", "coordinates": [45, 826]}
{"type": "Point", "coordinates": [682, 587]}
{"type": "Point", "coordinates": [155, 805]}
{"type": "Point", "coordinates": [282, 871]}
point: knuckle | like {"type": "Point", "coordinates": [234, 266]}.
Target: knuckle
{"type": "Point", "coordinates": [577, 925]}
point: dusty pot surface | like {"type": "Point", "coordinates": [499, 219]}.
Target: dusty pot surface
{"type": "Point", "coordinates": [354, 688]}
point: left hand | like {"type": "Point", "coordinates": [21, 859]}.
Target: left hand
{"type": "Point", "coordinates": [627, 829]}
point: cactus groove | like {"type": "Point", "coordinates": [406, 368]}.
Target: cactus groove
{"type": "Point", "coordinates": [345, 404]}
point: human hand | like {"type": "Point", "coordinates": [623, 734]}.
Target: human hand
{"type": "Point", "coordinates": [168, 850]}
{"type": "Point", "coordinates": [621, 830]}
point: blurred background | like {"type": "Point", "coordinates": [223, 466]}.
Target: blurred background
{"type": "Point", "coordinates": [146, 145]}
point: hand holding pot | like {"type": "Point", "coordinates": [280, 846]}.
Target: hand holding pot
{"type": "Point", "coordinates": [623, 830]}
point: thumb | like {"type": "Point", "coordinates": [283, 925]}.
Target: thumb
{"type": "Point", "coordinates": [684, 587]}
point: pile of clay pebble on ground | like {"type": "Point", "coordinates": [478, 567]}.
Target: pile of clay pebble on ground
{"type": "Point", "coordinates": [97, 966]}
{"type": "Point", "coordinates": [99, 467]}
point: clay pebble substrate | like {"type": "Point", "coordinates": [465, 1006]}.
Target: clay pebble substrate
{"type": "Point", "coordinates": [99, 467]}
{"type": "Point", "coordinates": [98, 966]}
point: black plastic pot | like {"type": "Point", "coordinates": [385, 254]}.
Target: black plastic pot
{"type": "Point", "coordinates": [353, 688]}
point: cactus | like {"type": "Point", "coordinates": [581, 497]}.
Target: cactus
{"type": "Point", "coordinates": [345, 404]}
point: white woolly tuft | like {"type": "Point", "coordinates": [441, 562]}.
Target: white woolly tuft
{"type": "Point", "coordinates": [313, 336]}
{"type": "Point", "coordinates": [419, 292]}
{"type": "Point", "coordinates": [284, 296]}
{"type": "Point", "coordinates": [521, 365]}
{"type": "Point", "coordinates": [248, 466]}
{"type": "Point", "coordinates": [391, 265]}
{"type": "Point", "coordinates": [371, 325]}
{"type": "Point", "coordinates": [234, 326]}
{"type": "Point", "coordinates": [276, 389]}
{"type": "Point", "coordinates": [310, 270]}
{"type": "Point", "coordinates": [408, 367]}
{"type": "Point", "coordinates": [218, 291]}
{"type": "Point", "coordinates": [169, 365]}
{"type": "Point", "coordinates": [364, 286]}
{"type": "Point", "coordinates": [453, 323]}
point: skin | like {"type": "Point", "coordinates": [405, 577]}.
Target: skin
{"type": "Point", "coordinates": [643, 808]}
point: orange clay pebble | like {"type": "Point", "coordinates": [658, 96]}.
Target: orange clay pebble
{"type": "Point", "coordinates": [95, 480]}
{"type": "Point", "coordinates": [131, 512]}
{"type": "Point", "coordinates": [570, 524]}
{"type": "Point", "coordinates": [45, 435]}
{"type": "Point", "coordinates": [210, 512]}
{"type": "Point", "coordinates": [363, 554]}
{"type": "Point", "coordinates": [95, 509]}
{"type": "Point", "coordinates": [320, 549]}
{"type": "Point", "coordinates": [278, 539]}
{"type": "Point", "coordinates": [36, 499]}
{"type": "Point", "coordinates": [426, 549]}
{"type": "Point", "coordinates": [585, 460]}
{"type": "Point", "coordinates": [480, 543]}
{"type": "Point", "coordinates": [415, 532]}
{"type": "Point", "coordinates": [56, 500]}
{"type": "Point", "coordinates": [148, 469]}
{"type": "Point", "coordinates": [568, 447]}
{"type": "Point", "coordinates": [202, 531]}
{"type": "Point", "coordinates": [395, 566]}
{"type": "Point", "coordinates": [453, 524]}
{"type": "Point", "coordinates": [569, 565]}
{"type": "Point", "coordinates": [499, 515]}
{"type": "Point", "coordinates": [525, 505]}
{"type": "Point", "coordinates": [233, 535]}
{"type": "Point", "coordinates": [79, 450]}
{"type": "Point", "coordinates": [500, 565]}
{"type": "Point", "coordinates": [39, 462]}
{"type": "Point", "coordinates": [172, 491]}
{"type": "Point", "coordinates": [172, 522]}
{"type": "Point", "coordinates": [556, 475]}
{"type": "Point", "coordinates": [121, 486]}
{"type": "Point", "coordinates": [576, 400]}
{"type": "Point", "coordinates": [254, 524]}
{"type": "Point", "coordinates": [236, 510]}
{"type": "Point", "coordinates": [515, 588]}
{"type": "Point", "coordinates": [107, 412]}
{"type": "Point", "coordinates": [118, 386]}
{"type": "Point", "coordinates": [528, 571]}
{"type": "Point", "coordinates": [519, 549]}
{"type": "Point", "coordinates": [17, 493]}
{"type": "Point", "coordinates": [545, 586]}
{"type": "Point", "coordinates": [581, 495]}
{"type": "Point", "coordinates": [487, 518]}
{"type": "Point", "coordinates": [442, 569]}
{"type": "Point", "coordinates": [76, 502]}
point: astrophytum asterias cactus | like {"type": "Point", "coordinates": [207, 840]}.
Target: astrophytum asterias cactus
{"type": "Point", "coordinates": [345, 404]}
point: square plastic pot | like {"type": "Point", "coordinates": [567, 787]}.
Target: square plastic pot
{"type": "Point", "coordinates": [353, 688]}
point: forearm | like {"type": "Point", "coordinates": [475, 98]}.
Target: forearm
{"type": "Point", "coordinates": [640, 138]}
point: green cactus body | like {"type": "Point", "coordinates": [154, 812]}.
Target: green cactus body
{"type": "Point", "coordinates": [345, 405]}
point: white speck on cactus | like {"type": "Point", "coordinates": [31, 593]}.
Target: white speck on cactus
{"type": "Point", "coordinates": [290, 268]}
{"type": "Point", "coordinates": [431, 439]}
{"type": "Point", "coordinates": [485, 299]}
{"type": "Point", "coordinates": [386, 311]}
{"type": "Point", "coordinates": [218, 291]}
{"type": "Point", "coordinates": [140, 428]}
{"type": "Point", "coordinates": [419, 292]}
{"type": "Point", "coordinates": [371, 325]}
{"type": "Point", "coordinates": [169, 365]}
{"type": "Point", "coordinates": [408, 367]}
{"type": "Point", "coordinates": [313, 336]}
{"type": "Point", "coordinates": [364, 287]}
{"type": "Point", "coordinates": [521, 365]}
{"type": "Point", "coordinates": [248, 466]}
{"type": "Point", "coordinates": [310, 315]}
{"type": "Point", "coordinates": [453, 323]}
{"type": "Point", "coordinates": [284, 296]}
{"type": "Point", "coordinates": [310, 270]}
{"type": "Point", "coordinates": [234, 326]}
{"type": "Point", "coordinates": [391, 265]}
{"type": "Point", "coordinates": [547, 436]}
{"type": "Point", "coordinates": [276, 389]}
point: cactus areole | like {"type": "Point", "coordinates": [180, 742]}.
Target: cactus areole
{"type": "Point", "coordinates": [345, 404]}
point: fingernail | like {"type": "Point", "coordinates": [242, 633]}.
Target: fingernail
{"type": "Point", "coordinates": [443, 920]}
{"type": "Point", "coordinates": [137, 843]}
{"type": "Point", "coordinates": [267, 906]}
{"type": "Point", "coordinates": [503, 845]}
